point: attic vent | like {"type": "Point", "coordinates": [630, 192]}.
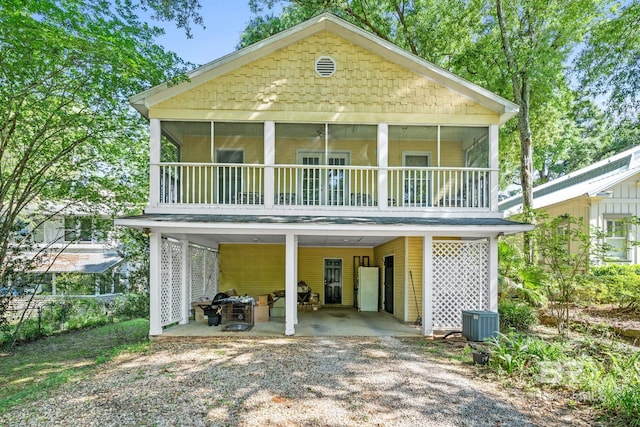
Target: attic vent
{"type": "Point", "coordinates": [325, 66]}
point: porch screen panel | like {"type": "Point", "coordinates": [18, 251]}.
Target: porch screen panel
{"type": "Point", "coordinates": [170, 282]}
{"type": "Point", "coordinates": [460, 280]}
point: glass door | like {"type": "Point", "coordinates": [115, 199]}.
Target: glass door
{"type": "Point", "coordinates": [229, 177]}
{"type": "Point", "coordinates": [310, 179]}
{"type": "Point", "coordinates": [333, 281]}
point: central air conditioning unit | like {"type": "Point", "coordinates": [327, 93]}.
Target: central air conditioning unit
{"type": "Point", "coordinates": [479, 325]}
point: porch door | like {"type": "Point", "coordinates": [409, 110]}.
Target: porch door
{"type": "Point", "coordinates": [323, 186]}
{"type": "Point", "coordinates": [336, 180]}
{"type": "Point", "coordinates": [416, 182]}
{"type": "Point", "coordinates": [388, 284]}
{"type": "Point", "coordinates": [229, 177]}
{"type": "Point", "coordinates": [333, 281]}
{"type": "Point", "coordinates": [310, 182]}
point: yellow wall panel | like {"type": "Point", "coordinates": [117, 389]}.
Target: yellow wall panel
{"type": "Point", "coordinates": [286, 81]}
{"type": "Point", "coordinates": [396, 248]}
{"type": "Point", "coordinates": [414, 255]}
{"type": "Point", "coordinates": [260, 269]}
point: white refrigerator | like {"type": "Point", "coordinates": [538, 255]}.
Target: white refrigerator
{"type": "Point", "coordinates": [368, 288]}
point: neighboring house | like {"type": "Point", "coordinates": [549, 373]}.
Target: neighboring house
{"type": "Point", "coordinates": [606, 195]}
{"type": "Point", "coordinates": [314, 151]}
{"type": "Point", "coordinates": [73, 242]}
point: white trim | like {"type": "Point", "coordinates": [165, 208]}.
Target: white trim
{"type": "Point", "coordinates": [186, 280]}
{"type": "Point", "coordinates": [154, 160]}
{"type": "Point", "coordinates": [382, 148]}
{"type": "Point", "coordinates": [427, 285]}
{"type": "Point", "coordinates": [269, 147]}
{"type": "Point", "coordinates": [155, 320]}
{"type": "Point", "coordinates": [291, 290]}
{"type": "Point", "coordinates": [406, 280]}
{"type": "Point", "coordinates": [426, 154]}
{"type": "Point", "coordinates": [308, 229]}
{"type": "Point", "coordinates": [493, 274]}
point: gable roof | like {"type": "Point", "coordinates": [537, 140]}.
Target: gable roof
{"type": "Point", "coordinates": [589, 181]}
{"type": "Point", "coordinates": [327, 22]}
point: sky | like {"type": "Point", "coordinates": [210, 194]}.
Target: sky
{"type": "Point", "coordinates": [224, 21]}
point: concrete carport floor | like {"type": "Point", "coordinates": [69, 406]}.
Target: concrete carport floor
{"type": "Point", "coordinates": [327, 321]}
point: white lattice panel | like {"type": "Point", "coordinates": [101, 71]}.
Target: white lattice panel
{"type": "Point", "coordinates": [204, 272]}
{"type": "Point", "coordinates": [165, 283]}
{"type": "Point", "coordinates": [176, 281]}
{"type": "Point", "coordinates": [460, 280]}
{"type": "Point", "coordinates": [170, 282]}
{"type": "Point", "coordinates": [197, 255]}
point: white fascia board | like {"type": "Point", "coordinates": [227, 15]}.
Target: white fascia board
{"type": "Point", "coordinates": [322, 229]}
{"type": "Point", "coordinates": [329, 22]}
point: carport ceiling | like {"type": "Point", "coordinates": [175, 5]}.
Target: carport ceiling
{"type": "Point", "coordinates": [340, 241]}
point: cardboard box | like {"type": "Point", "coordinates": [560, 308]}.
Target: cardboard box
{"type": "Point", "coordinates": [198, 314]}
{"type": "Point", "coordinates": [260, 313]}
{"type": "Point", "coordinates": [264, 299]}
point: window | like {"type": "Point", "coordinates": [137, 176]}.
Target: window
{"type": "Point", "coordinates": [616, 234]}
{"type": "Point", "coordinates": [86, 229]}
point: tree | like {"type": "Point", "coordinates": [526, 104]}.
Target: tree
{"type": "Point", "coordinates": [66, 129]}
{"type": "Point", "coordinates": [609, 65]}
{"type": "Point", "coordinates": [564, 249]}
{"type": "Point", "coordinates": [517, 49]}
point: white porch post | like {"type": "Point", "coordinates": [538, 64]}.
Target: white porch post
{"type": "Point", "coordinates": [291, 289]}
{"type": "Point", "coordinates": [269, 161]}
{"type": "Point", "coordinates": [154, 167]}
{"type": "Point", "coordinates": [383, 163]}
{"type": "Point", "coordinates": [184, 289]}
{"type": "Point", "coordinates": [155, 249]}
{"type": "Point", "coordinates": [427, 285]}
{"type": "Point", "coordinates": [493, 273]}
{"type": "Point", "coordinates": [494, 166]}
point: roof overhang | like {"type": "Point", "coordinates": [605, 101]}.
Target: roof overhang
{"type": "Point", "coordinates": [65, 262]}
{"type": "Point", "coordinates": [327, 22]}
{"type": "Point", "coordinates": [247, 228]}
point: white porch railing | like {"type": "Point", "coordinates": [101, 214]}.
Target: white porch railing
{"type": "Point", "coordinates": [316, 185]}
{"type": "Point", "coordinates": [439, 187]}
{"type": "Point", "coordinates": [312, 185]}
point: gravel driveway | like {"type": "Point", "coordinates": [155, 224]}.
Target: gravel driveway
{"type": "Point", "coordinates": [281, 382]}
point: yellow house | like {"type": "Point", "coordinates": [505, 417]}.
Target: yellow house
{"type": "Point", "coordinates": [316, 151]}
{"type": "Point", "coordinates": [606, 195]}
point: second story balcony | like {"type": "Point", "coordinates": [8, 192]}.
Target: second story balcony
{"type": "Point", "coordinates": [324, 168]}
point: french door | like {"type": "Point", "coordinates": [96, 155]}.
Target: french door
{"type": "Point", "coordinates": [323, 186]}
{"type": "Point", "coordinates": [229, 177]}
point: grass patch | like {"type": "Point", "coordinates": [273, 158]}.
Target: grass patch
{"type": "Point", "coordinates": [29, 372]}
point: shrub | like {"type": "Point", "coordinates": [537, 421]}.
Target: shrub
{"type": "Point", "coordinates": [516, 315]}
{"type": "Point", "coordinates": [132, 306]}
{"type": "Point", "coordinates": [615, 284]}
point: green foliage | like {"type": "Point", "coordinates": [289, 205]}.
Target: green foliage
{"type": "Point", "coordinates": [564, 248]}
{"type": "Point", "coordinates": [132, 306]}
{"type": "Point", "coordinates": [67, 70]}
{"type": "Point", "coordinates": [614, 284]}
{"type": "Point", "coordinates": [607, 374]}
{"type": "Point", "coordinates": [516, 315]}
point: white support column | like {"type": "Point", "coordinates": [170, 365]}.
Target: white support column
{"type": "Point", "coordinates": [295, 273]}
{"type": "Point", "coordinates": [383, 163]}
{"type": "Point", "coordinates": [493, 274]}
{"type": "Point", "coordinates": [154, 168]}
{"type": "Point", "coordinates": [186, 279]}
{"type": "Point", "coordinates": [155, 249]}
{"type": "Point", "coordinates": [427, 285]}
{"type": "Point", "coordinates": [291, 288]}
{"type": "Point", "coordinates": [269, 161]}
{"type": "Point", "coordinates": [494, 185]}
